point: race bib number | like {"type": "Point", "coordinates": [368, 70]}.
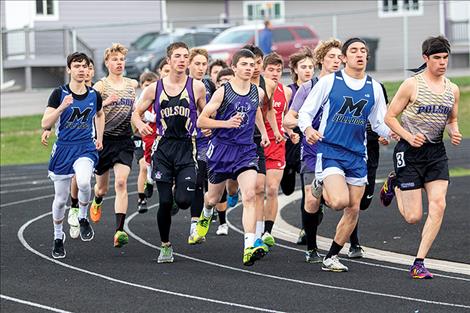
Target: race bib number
{"type": "Point", "coordinates": [400, 156]}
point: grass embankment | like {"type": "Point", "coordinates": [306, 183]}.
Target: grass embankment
{"type": "Point", "coordinates": [21, 136]}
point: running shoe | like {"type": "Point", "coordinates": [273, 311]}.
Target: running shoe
{"type": "Point", "coordinates": [58, 250]}
{"type": "Point", "coordinates": [148, 190]}
{"type": "Point", "coordinates": [333, 265]}
{"type": "Point", "coordinates": [250, 255]}
{"type": "Point", "coordinates": [317, 188]}
{"type": "Point", "coordinates": [302, 240]}
{"type": "Point", "coordinates": [202, 226]}
{"type": "Point", "coordinates": [120, 238]}
{"type": "Point", "coordinates": [232, 200]}
{"type": "Point", "coordinates": [260, 253]}
{"type": "Point", "coordinates": [142, 206]}
{"type": "Point", "coordinates": [174, 208]}
{"type": "Point", "coordinates": [72, 219]}
{"type": "Point", "coordinates": [95, 211]}
{"type": "Point", "coordinates": [166, 254]}
{"type": "Point", "coordinates": [387, 191]}
{"type": "Point", "coordinates": [312, 256]}
{"type": "Point", "coordinates": [86, 231]}
{"type": "Point", "coordinates": [268, 239]}
{"type": "Point", "coordinates": [419, 271]}
{"type": "Point", "coordinates": [222, 230]}
{"type": "Point", "coordinates": [194, 239]}
{"type": "Point", "coordinates": [355, 252]}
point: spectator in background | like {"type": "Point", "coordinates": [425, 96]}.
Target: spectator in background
{"type": "Point", "coordinates": [266, 38]}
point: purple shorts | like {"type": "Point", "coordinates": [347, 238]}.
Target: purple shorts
{"type": "Point", "coordinates": [228, 161]}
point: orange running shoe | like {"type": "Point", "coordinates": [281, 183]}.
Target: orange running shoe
{"type": "Point", "coordinates": [95, 211]}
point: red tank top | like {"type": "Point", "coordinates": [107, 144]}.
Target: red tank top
{"type": "Point", "coordinates": [279, 106]}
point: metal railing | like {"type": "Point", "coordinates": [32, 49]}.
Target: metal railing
{"type": "Point", "coordinates": [29, 47]}
{"type": "Point", "coordinates": [458, 31]}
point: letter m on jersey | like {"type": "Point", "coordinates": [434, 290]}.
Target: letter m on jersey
{"type": "Point", "coordinates": [355, 108]}
{"type": "Point", "coordinates": [77, 115]}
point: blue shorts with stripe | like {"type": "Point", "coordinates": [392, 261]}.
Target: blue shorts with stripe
{"type": "Point", "coordinates": [64, 155]}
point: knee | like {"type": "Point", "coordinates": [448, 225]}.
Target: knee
{"type": "Point", "coordinates": [338, 203]}
{"type": "Point", "coordinates": [83, 184]}
{"type": "Point", "coordinates": [249, 196]}
{"type": "Point", "coordinates": [120, 184]}
{"type": "Point", "coordinates": [259, 189]}
{"type": "Point", "coordinates": [413, 217]}
{"type": "Point", "coordinates": [272, 190]}
{"type": "Point", "coordinates": [311, 205]}
{"type": "Point", "coordinates": [183, 200]}
{"type": "Point", "coordinates": [101, 190]}
{"type": "Point", "coordinates": [352, 213]}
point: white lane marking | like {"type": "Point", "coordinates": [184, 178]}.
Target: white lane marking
{"type": "Point", "coordinates": [289, 279]}
{"type": "Point", "coordinates": [37, 305]}
{"type": "Point", "coordinates": [192, 297]}
{"type": "Point", "coordinates": [52, 195]}
{"type": "Point", "coordinates": [285, 231]}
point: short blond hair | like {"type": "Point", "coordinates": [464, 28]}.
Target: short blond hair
{"type": "Point", "coordinates": [198, 51]}
{"type": "Point", "coordinates": [321, 50]}
{"type": "Point", "coordinates": [115, 48]}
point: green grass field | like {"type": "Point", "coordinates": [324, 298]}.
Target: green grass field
{"type": "Point", "coordinates": [21, 136]}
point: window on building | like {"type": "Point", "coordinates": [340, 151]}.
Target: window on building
{"type": "Point", "coordinates": [47, 9]}
{"type": "Point", "coordinates": [263, 10]}
{"type": "Point", "coordinates": [393, 8]}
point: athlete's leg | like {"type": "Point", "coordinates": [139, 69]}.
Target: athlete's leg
{"type": "Point", "coordinates": [141, 179]}
{"type": "Point", "coordinates": [74, 190]}
{"type": "Point", "coordinates": [350, 215]}
{"type": "Point", "coordinates": [336, 191]}
{"type": "Point", "coordinates": [83, 168]}
{"type": "Point", "coordinates": [121, 173]}
{"type": "Point", "coordinates": [61, 194]}
{"type": "Point", "coordinates": [412, 205]}
{"type": "Point", "coordinates": [311, 217]}
{"type": "Point", "coordinates": [184, 187]}
{"type": "Point", "coordinates": [102, 185]}
{"type": "Point", "coordinates": [436, 191]}
{"type": "Point", "coordinates": [273, 180]}
{"type": "Point", "coordinates": [165, 195]}
{"type": "Point", "coordinates": [259, 203]}
{"type": "Point", "coordinates": [247, 182]}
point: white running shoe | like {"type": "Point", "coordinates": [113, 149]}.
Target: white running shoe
{"type": "Point", "coordinates": [222, 230]}
{"type": "Point", "coordinates": [333, 265]}
{"type": "Point", "coordinates": [72, 219]}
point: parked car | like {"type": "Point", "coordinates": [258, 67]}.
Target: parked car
{"type": "Point", "coordinates": [287, 39]}
{"type": "Point", "coordinates": [141, 60]}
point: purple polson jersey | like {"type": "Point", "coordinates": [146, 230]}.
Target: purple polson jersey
{"type": "Point", "coordinates": [201, 140]}
{"type": "Point", "coordinates": [176, 116]}
{"type": "Point", "coordinates": [308, 152]}
{"type": "Point", "coordinates": [233, 103]}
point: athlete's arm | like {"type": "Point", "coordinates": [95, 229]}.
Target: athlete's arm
{"type": "Point", "coordinates": [99, 123]}
{"type": "Point", "coordinates": [205, 121]}
{"type": "Point", "coordinates": [452, 123]}
{"type": "Point", "coordinates": [376, 116]}
{"type": "Point", "coordinates": [398, 104]}
{"type": "Point", "coordinates": [200, 94]}
{"type": "Point", "coordinates": [146, 99]}
{"type": "Point", "coordinates": [55, 108]}
{"type": "Point", "coordinates": [270, 112]}
{"type": "Point", "coordinates": [291, 118]}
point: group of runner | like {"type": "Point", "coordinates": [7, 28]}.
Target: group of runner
{"type": "Point", "coordinates": [203, 141]}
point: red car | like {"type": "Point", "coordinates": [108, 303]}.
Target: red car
{"type": "Point", "coordinates": [287, 39]}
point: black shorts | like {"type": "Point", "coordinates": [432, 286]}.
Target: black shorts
{"type": "Point", "coordinates": [261, 156]}
{"type": "Point", "coordinates": [139, 149]}
{"type": "Point", "coordinates": [115, 150]}
{"type": "Point", "coordinates": [416, 166]}
{"type": "Point", "coordinates": [293, 152]}
{"type": "Point", "coordinates": [173, 156]}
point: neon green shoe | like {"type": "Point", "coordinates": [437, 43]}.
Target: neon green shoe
{"type": "Point", "coordinates": [166, 254]}
{"type": "Point", "coordinates": [195, 239]}
{"type": "Point", "coordinates": [251, 254]}
{"type": "Point", "coordinates": [120, 238]}
{"type": "Point", "coordinates": [268, 239]}
{"type": "Point", "coordinates": [72, 219]}
{"type": "Point", "coordinates": [202, 226]}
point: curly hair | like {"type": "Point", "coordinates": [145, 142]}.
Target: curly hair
{"type": "Point", "coordinates": [322, 49]}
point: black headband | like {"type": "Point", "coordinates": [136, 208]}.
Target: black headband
{"type": "Point", "coordinates": [350, 42]}
{"type": "Point", "coordinates": [436, 49]}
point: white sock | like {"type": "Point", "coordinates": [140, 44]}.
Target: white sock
{"type": "Point", "coordinates": [259, 229]}
{"type": "Point", "coordinates": [208, 212]}
{"type": "Point", "coordinates": [249, 240]}
{"type": "Point", "coordinates": [58, 232]}
{"type": "Point", "coordinates": [82, 213]}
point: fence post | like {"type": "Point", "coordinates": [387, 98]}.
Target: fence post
{"type": "Point", "coordinates": [66, 50]}
{"type": "Point", "coordinates": [28, 77]}
{"type": "Point", "coordinates": [405, 46]}
{"type": "Point", "coordinates": [74, 40]}
{"type": "Point", "coordinates": [334, 26]}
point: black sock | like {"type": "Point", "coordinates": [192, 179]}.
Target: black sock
{"type": "Point", "coordinates": [334, 250]}
{"type": "Point", "coordinates": [311, 224]}
{"type": "Point", "coordinates": [268, 226]}
{"type": "Point", "coordinates": [222, 217]}
{"type": "Point", "coordinates": [74, 202]}
{"type": "Point", "coordinates": [418, 260]}
{"type": "Point", "coordinates": [354, 239]}
{"type": "Point", "coordinates": [98, 200]}
{"type": "Point", "coordinates": [141, 196]}
{"type": "Point", "coordinates": [120, 219]}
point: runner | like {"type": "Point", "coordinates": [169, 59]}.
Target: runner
{"type": "Point", "coordinates": [276, 151]}
{"type": "Point", "coordinates": [74, 209]}
{"type": "Point", "coordinates": [141, 146]}
{"type": "Point", "coordinates": [73, 108]}
{"type": "Point", "coordinates": [214, 69]}
{"type": "Point", "coordinates": [301, 66]}
{"type": "Point", "coordinates": [163, 68]}
{"type": "Point", "coordinates": [350, 98]}
{"type": "Point", "coordinates": [327, 58]}
{"type": "Point", "coordinates": [176, 100]}
{"type": "Point", "coordinates": [118, 94]}
{"type": "Point", "coordinates": [232, 151]}
{"type": "Point", "coordinates": [429, 103]}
